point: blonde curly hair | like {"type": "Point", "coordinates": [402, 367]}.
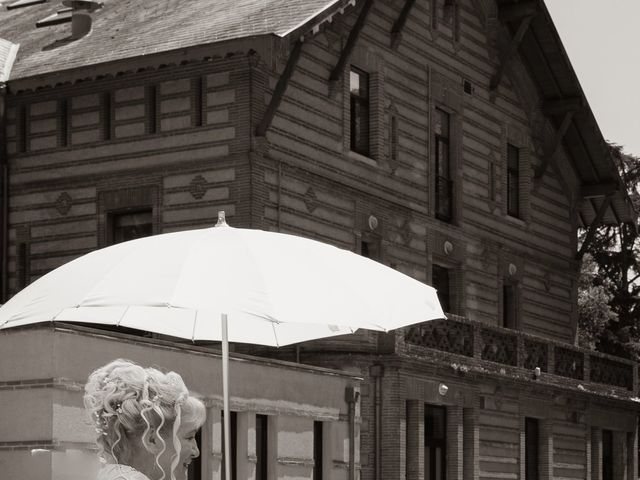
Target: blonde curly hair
{"type": "Point", "coordinates": [126, 401]}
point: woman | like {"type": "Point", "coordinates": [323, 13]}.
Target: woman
{"type": "Point", "coordinates": [146, 422]}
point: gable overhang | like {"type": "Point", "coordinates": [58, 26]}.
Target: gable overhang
{"type": "Point", "coordinates": [544, 56]}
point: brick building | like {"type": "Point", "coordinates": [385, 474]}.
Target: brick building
{"type": "Point", "coordinates": [449, 139]}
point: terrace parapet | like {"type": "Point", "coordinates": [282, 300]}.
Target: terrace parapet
{"type": "Point", "coordinates": [467, 345]}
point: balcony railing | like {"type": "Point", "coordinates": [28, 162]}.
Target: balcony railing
{"type": "Point", "coordinates": [509, 348]}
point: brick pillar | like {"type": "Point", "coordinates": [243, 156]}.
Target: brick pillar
{"type": "Point", "coordinates": [393, 428]}
{"type": "Point", "coordinates": [620, 455]}
{"type": "Point", "coordinates": [632, 454]}
{"type": "Point", "coordinates": [546, 449]}
{"type": "Point", "coordinates": [471, 441]}
{"type": "Point", "coordinates": [596, 454]}
{"type": "Point", "coordinates": [455, 442]}
{"type": "Point", "coordinates": [246, 446]}
{"type": "Point", "coordinates": [415, 440]}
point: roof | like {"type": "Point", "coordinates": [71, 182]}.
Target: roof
{"type": "Point", "coordinates": [129, 28]}
{"type": "Point", "coordinates": [590, 155]}
{"type": "Point", "coordinates": [126, 29]}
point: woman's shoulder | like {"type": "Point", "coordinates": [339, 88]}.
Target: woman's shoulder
{"type": "Point", "coordinates": [120, 472]}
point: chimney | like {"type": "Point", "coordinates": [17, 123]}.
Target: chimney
{"type": "Point", "coordinates": [81, 16]}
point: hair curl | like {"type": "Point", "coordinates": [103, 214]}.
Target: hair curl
{"type": "Point", "coordinates": [126, 401]}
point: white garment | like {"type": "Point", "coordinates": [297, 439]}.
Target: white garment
{"type": "Point", "coordinates": [120, 472]}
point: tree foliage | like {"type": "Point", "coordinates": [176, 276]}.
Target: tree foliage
{"type": "Point", "coordinates": [609, 284]}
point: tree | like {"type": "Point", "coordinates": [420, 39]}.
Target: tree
{"type": "Point", "coordinates": [609, 284]}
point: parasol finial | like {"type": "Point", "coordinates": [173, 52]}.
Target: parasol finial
{"type": "Point", "coordinates": [221, 220]}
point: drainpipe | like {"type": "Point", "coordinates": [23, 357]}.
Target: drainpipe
{"type": "Point", "coordinates": [351, 396]}
{"type": "Point", "coordinates": [4, 185]}
{"type": "Point", "coordinates": [376, 372]}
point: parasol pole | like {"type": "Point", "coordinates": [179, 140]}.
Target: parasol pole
{"type": "Point", "coordinates": [225, 399]}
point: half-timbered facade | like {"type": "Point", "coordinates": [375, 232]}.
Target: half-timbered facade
{"type": "Point", "coordinates": [449, 139]}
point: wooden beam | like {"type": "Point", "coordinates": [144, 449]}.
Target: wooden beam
{"type": "Point", "coordinates": [513, 48]}
{"type": "Point", "coordinates": [396, 30]}
{"type": "Point", "coordinates": [516, 11]}
{"type": "Point", "coordinates": [595, 190]}
{"type": "Point", "coordinates": [593, 227]}
{"type": "Point", "coordinates": [560, 106]}
{"type": "Point", "coordinates": [557, 141]}
{"type": "Point", "coordinates": [278, 93]}
{"type": "Point", "coordinates": [336, 73]}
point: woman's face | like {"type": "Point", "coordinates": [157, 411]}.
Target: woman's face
{"type": "Point", "coordinates": [189, 451]}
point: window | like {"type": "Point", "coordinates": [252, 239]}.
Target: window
{"type": "Point", "coordinates": [531, 443]}
{"type": "Point", "coordinates": [359, 128]}
{"type": "Point", "coordinates": [317, 451]}
{"type": "Point", "coordinates": [440, 281]}
{"type": "Point", "coordinates": [513, 181]}
{"type": "Point", "coordinates": [607, 455]}
{"type": "Point", "coordinates": [370, 248]}
{"type": "Point", "coordinates": [262, 436]}
{"type": "Point", "coordinates": [63, 123]}
{"type": "Point", "coordinates": [233, 421]}
{"type": "Point", "coordinates": [152, 109]}
{"type": "Point", "coordinates": [107, 115]}
{"type": "Point", "coordinates": [126, 226]}
{"type": "Point", "coordinates": [195, 467]}
{"type": "Point", "coordinates": [435, 442]}
{"type": "Point", "coordinates": [443, 182]}
{"type": "Point", "coordinates": [509, 309]}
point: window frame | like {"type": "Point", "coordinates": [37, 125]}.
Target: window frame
{"type": "Point", "coordinates": [318, 450]}
{"type": "Point", "coordinates": [443, 175]}
{"type": "Point", "coordinates": [446, 306]}
{"type": "Point", "coordinates": [262, 447]}
{"type": "Point", "coordinates": [513, 181]}
{"type": "Point", "coordinates": [512, 322]}
{"type": "Point", "coordinates": [434, 445]}
{"type": "Point", "coordinates": [357, 102]}
{"type": "Point", "coordinates": [113, 215]}
{"type": "Point", "coordinates": [532, 448]}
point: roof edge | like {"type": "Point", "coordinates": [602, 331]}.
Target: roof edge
{"type": "Point", "coordinates": [7, 61]}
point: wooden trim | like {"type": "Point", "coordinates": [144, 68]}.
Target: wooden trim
{"type": "Point", "coordinates": [594, 190]}
{"type": "Point", "coordinates": [557, 141]}
{"type": "Point", "coordinates": [337, 71]}
{"type": "Point", "coordinates": [561, 106]}
{"type": "Point", "coordinates": [396, 30]}
{"type": "Point", "coordinates": [516, 11]}
{"type": "Point", "coordinates": [278, 93]}
{"type": "Point", "coordinates": [513, 48]}
{"type": "Point", "coordinates": [593, 227]}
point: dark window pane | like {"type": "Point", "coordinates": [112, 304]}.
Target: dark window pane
{"type": "Point", "coordinates": [317, 450]}
{"type": "Point", "coordinates": [130, 225]}
{"type": "Point", "coordinates": [262, 447]}
{"type": "Point", "coordinates": [440, 281]}
{"type": "Point", "coordinates": [513, 181]}
{"type": "Point", "coordinates": [435, 442]}
{"type": "Point", "coordinates": [509, 306]}
{"type": "Point", "coordinates": [443, 181]}
{"type": "Point", "coordinates": [359, 87]}
{"type": "Point", "coordinates": [531, 448]}
{"type": "Point", "coordinates": [607, 455]}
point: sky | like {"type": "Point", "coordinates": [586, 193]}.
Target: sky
{"type": "Point", "coordinates": [602, 39]}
